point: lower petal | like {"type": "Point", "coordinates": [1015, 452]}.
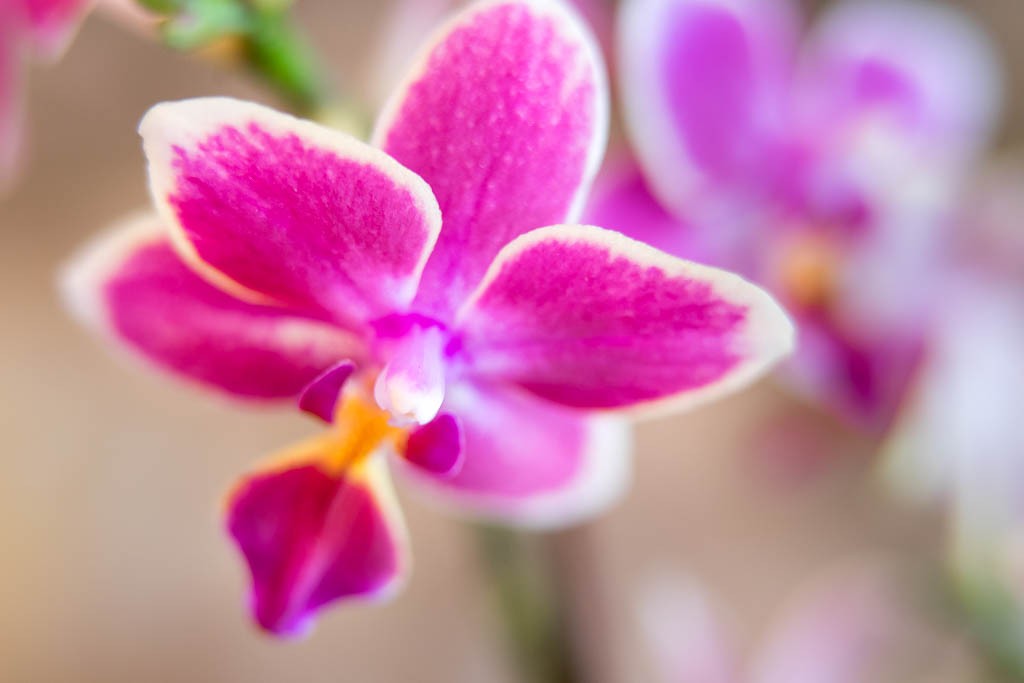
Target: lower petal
{"type": "Point", "coordinates": [528, 462]}
{"type": "Point", "coordinates": [312, 534]}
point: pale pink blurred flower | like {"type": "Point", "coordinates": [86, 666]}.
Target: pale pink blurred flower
{"type": "Point", "coordinates": [855, 625]}
{"type": "Point", "coordinates": [825, 169]}
{"type": "Point", "coordinates": [30, 30]}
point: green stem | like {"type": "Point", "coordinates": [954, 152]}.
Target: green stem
{"type": "Point", "coordinates": [281, 55]}
{"type": "Point", "coordinates": [529, 604]}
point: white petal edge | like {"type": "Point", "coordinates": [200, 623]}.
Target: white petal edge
{"type": "Point", "coordinates": [185, 122]}
{"type": "Point", "coordinates": [572, 27]}
{"type": "Point", "coordinates": [769, 334]}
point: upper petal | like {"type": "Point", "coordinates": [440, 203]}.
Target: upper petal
{"type": "Point", "coordinates": [505, 116]}
{"type": "Point", "coordinates": [702, 85]}
{"type": "Point", "coordinates": [922, 65]}
{"type": "Point", "coordinates": [528, 462]}
{"type": "Point", "coordinates": [592, 319]}
{"type": "Point", "coordinates": [284, 210]}
{"type": "Point", "coordinates": [134, 289]}
{"type": "Point", "coordinates": [312, 534]}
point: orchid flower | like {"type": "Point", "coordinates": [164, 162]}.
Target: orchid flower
{"type": "Point", "coordinates": [29, 29]}
{"type": "Point", "coordinates": [410, 293]}
{"type": "Point", "coordinates": [848, 626]}
{"type": "Point", "coordinates": [823, 171]}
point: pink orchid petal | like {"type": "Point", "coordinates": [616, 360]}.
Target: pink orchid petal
{"type": "Point", "coordinates": [528, 462]}
{"type": "Point", "coordinates": [12, 113]}
{"type": "Point", "coordinates": [437, 447]}
{"type": "Point", "coordinates": [687, 635]}
{"type": "Point", "coordinates": [592, 319]}
{"type": "Point", "coordinates": [863, 378]}
{"type": "Point", "coordinates": [320, 397]}
{"type": "Point", "coordinates": [702, 85]}
{"type": "Point", "coordinates": [925, 65]}
{"type": "Point", "coordinates": [52, 23]}
{"type": "Point", "coordinates": [311, 537]}
{"type": "Point", "coordinates": [837, 630]}
{"type": "Point", "coordinates": [505, 117]}
{"type": "Point", "coordinates": [289, 211]}
{"type": "Point", "coordinates": [132, 287]}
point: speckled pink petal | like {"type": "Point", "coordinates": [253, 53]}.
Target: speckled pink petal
{"type": "Point", "coordinates": [131, 287]}
{"type": "Point", "coordinates": [505, 117]}
{"type": "Point", "coordinates": [591, 319]}
{"type": "Point", "coordinates": [528, 462]}
{"type": "Point", "coordinates": [312, 536]}
{"type": "Point", "coordinates": [703, 83]}
{"type": "Point", "coordinates": [51, 23]}
{"type": "Point", "coordinates": [283, 210]}
{"type": "Point", "coordinates": [923, 66]}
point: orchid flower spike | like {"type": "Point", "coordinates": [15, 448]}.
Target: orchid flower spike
{"type": "Point", "coordinates": [825, 171]}
{"type": "Point", "coordinates": [29, 30]}
{"type": "Point", "coordinates": [427, 294]}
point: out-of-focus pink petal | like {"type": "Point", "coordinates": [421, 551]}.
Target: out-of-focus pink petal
{"type": "Point", "coordinates": [320, 397]}
{"type": "Point", "coordinates": [311, 535]}
{"type": "Point", "coordinates": [960, 436]}
{"type": "Point", "coordinates": [923, 66]}
{"type": "Point", "coordinates": [528, 462]}
{"type": "Point", "coordinates": [132, 287]}
{"type": "Point", "coordinates": [11, 105]}
{"type": "Point", "coordinates": [622, 199]}
{"type": "Point", "coordinates": [861, 375]}
{"type": "Point", "coordinates": [687, 636]}
{"type": "Point", "coordinates": [702, 84]}
{"type": "Point", "coordinates": [592, 319]}
{"type": "Point", "coordinates": [505, 117]}
{"type": "Point", "coordinates": [288, 211]}
{"type": "Point", "coordinates": [837, 631]}
{"type": "Point", "coordinates": [437, 447]}
{"type": "Point", "coordinates": [52, 23]}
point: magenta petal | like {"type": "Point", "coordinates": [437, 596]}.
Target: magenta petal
{"type": "Point", "coordinates": [437, 447]}
{"type": "Point", "coordinates": [591, 319]}
{"type": "Point", "coordinates": [11, 105]}
{"type": "Point", "coordinates": [289, 211]}
{"type": "Point", "coordinates": [703, 87]}
{"type": "Point", "coordinates": [51, 23]}
{"type": "Point", "coordinates": [505, 117]}
{"type": "Point", "coordinates": [528, 462]}
{"type": "Point", "coordinates": [320, 397]}
{"type": "Point", "coordinates": [133, 288]}
{"type": "Point", "coordinates": [311, 538]}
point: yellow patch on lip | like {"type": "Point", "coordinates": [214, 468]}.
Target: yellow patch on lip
{"type": "Point", "coordinates": [360, 429]}
{"type": "Point", "coordinates": [808, 270]}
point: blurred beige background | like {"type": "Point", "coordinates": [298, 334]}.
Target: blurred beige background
{"type": "Point", "coordinates": [113, 563]}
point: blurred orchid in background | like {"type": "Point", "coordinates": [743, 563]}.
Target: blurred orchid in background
{"type": "Point", "coordinates": [853, 625]}
{"type": "Point", "coordinates": [411, 293]}
{"type": "Point", "coordinates": [30, 30]}
{"type": "Point", "coordinates": [958, 439]}
{"type": "Point", "coordinates": [825, 171]}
